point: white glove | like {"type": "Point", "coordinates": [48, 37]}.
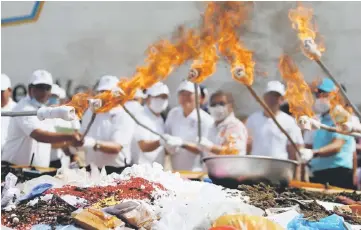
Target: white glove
{"type": "Point", "coordinates": [306, 155]}
{"type": "Point", "coordinates": [174, 141]}
{"type": "Point", "coordinates": [205, 143]}
{"type": "Point", "coordinates": [64, 112]}
{"type": "Point", "coordinates": [89, 143]}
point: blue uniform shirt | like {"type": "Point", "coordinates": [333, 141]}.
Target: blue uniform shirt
{"type": "Point", "coordinates": [323, 138]}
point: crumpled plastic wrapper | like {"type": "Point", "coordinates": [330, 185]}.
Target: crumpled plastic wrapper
{"type": "Point", "coordinates": [94, 219]}
{"type": "Point", "coordinates": [136, 213]}
{"type": "Point", "coordinates": [10, 194]}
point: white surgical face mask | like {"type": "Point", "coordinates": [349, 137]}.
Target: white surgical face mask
{"type": "Point", "coordinates": [219, 112]}
{"type": "Point", "coordinates": [158, 105]}
{"type": "Point", "coordinates": [321, 106]}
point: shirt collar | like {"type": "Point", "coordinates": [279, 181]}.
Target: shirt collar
{"type": "Point", "coordinates": [229, 118]}
{"type": "Point", "coordinates": [149, 112]}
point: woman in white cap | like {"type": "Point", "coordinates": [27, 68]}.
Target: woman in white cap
{"type": "Point", "coordinates": [182, 122]}
{"type": "Point", "coordinates": [60, 156]}
{"type": "Point", "coordinates": [150, 145]}
{"type": "Point", "coordinates": [29, 139]}
{"type": "Point", "coordinates": [7, 104]}
{"type": "Point", "coordinates": [108, 141]}
{"type": "Point", "coordinates": [135, 106]}
{"type": "Point", "coordinates": [267, 138]}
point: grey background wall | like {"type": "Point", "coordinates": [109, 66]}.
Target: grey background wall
{"type": "Point", "coordinates": [80, 41]}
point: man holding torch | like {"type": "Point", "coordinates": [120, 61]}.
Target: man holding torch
{"type": "Point", "coordinates": [30, 139]}
{"type": "Point", "coordinates": [332, 152]}
{"type": "Point", "coordinates": [266, 137]}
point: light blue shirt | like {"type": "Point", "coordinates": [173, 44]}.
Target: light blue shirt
{"type": "Point", "coordinates": [323, 138]}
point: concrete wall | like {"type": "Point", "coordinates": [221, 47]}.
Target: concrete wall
{"type": "Point", "coordinates": [80, 41]}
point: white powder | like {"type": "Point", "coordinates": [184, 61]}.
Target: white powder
{"type": "Point", "coordinates": [188, 204]}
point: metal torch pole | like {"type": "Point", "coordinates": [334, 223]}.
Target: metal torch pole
{"type": "Point", "coordinates": [199, 123]}
{"type": "Point", "coordinates": [268, 110]}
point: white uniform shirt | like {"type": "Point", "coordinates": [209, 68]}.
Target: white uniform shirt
{"type": "Point", "coordinates": [19, 146]}
{"type": "Point", "coordinates": [57, 154]}
{"type": "Point", "coordinates": [186, 128]}
{"type": "Point", "coordinates": [157, 124]}
{"type": "Point", "coordinates": [230, 129]}
{"type": "Point", "coordinates": [267, 138]}
{"type": "Point", "coordinates": [115, 126]}
{"type": "Point", "coordinates": [5, 121]}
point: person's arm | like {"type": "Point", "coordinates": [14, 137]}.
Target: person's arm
{"type": "Point", "coordinates": [109, 147]}
{"type": "Point", "coordinates": [331, 149]}
{"type": "Point", "coordinates": [192, 147]}
{"type": "Point", "coordinates": [51, 137]}
{"type": "Point", "coordinates": [148, 146]}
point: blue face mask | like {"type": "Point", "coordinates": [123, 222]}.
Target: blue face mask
{"type": "Point", "coordinates": [53, 101]}
{"type": "Point", "coordinates": [36, 103]}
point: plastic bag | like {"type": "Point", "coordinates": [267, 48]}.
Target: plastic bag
{"type": "Point", "coordinates": [37, 191]}
{"type": "Point", "coordinates": [246, 222]}
{"type": "Point", "coordinates": [10, 194]}
{"type": "Point", "coordinates": [136, 213]}
{"type": "Point", "coordinates": [333, 222]}
{"type": "Point", "coordinates": [94, 219]}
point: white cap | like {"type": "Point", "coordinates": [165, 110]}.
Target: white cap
{"type": "Point", "coordinates": [5, 82]}
{"type": "Point", "coordinates": [41, 76]}
{"type": "Point", "coordinates": [157, 89]}
{"type": "Point", "coordinates": [107, 82]}
{"type": "Point", "coordinates": [139, 94]}
{"type": "Point", "coordinates": [187, 86]}
{"type": "Point", "coordinates": [58, 91]}
{"type": "Point", "coordinates": [276, 86]}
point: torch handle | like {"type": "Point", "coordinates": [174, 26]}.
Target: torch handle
{"type": "Point", "coordinates": [92, 119]}
{"type": "Point", "coordinates": [141, 124]}
{"type": "Point", "coordinates": [268, 110]}
{"type": "Point", "coordinates": [199, 122]}
{"type": "Point", "coordinates": [335, 130]}
{"type": "Point", "coordinates": [324, 68]}
{"type": "Point", "coordinates": [19, 114]}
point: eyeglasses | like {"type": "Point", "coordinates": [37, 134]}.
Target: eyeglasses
{"type": "Point", "coordinates": [221, 103]}
{"type": "Point", "coordinates": [43, 87]}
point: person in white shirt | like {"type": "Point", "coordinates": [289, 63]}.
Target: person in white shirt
{"type": "Point", "coordinates": [7, 104]}
{"type": "Point", "coordinates": [182, 122]}
{"type": "Point", "coordinates": [266, 138]}
{"type": "Point", "coordinates": [228, 135]}
{"type": "Point", "coordinates": [29, 139]}
{"type": "Point", "coordinates": [149, 144]}
{"type": "Point", "coordinates": [60, 156]}
{"type": "Point", "coordinates": [108, 141]}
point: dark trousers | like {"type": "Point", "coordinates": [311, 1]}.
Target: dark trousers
{"type": "Point", "coordinates": [55, 164]}
{"type": "Point", "coordinates": [109, 169]}
{"type": "Point", "coordinates": [339, 177]}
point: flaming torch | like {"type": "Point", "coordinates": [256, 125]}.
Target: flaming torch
{"type": "Point", "coordinates": [205, 64]}
{"type": "Point", "coordinates": [300, 100]}
{"type": "Point", "coordinates": [301, 18]}
{"type": "Point", "coordinates": [242, 67]}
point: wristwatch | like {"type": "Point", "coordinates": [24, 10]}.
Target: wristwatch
{"type": "Point", "coordinates": [96, 146]}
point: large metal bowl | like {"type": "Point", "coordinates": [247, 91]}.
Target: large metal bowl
{"type": "Point", "coordinates": [230, 171]}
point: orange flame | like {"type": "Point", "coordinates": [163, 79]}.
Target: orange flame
{"type": "Point", "coordinates": [298, 94]}
{"type": "Point", "coordinates": [232, 48]}
{"type": "Point", "coordinates": [205, 64]}
{"type": "Point", "coordinates": [339, 112]}
{"type": "Point", "coordinates": [80, 103]}
{"type": "Point", "coordinates": [301, 19]}
{"type": "Point", "coordinates": [228, 148]}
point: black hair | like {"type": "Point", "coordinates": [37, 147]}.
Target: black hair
{"type": "Point", "coordinates": [228, 95]}
{"type": "Point", "coordinates": [202, 89]}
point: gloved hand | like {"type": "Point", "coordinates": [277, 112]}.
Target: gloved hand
{"type": "Point", "coordinates": [306, 155]}
{"type": "Point", "coordinates": [89, 143]}
{"type": "Point", "coordinates": [171, 143]}
{"type": "Point", "coordinates": [205, 143]}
